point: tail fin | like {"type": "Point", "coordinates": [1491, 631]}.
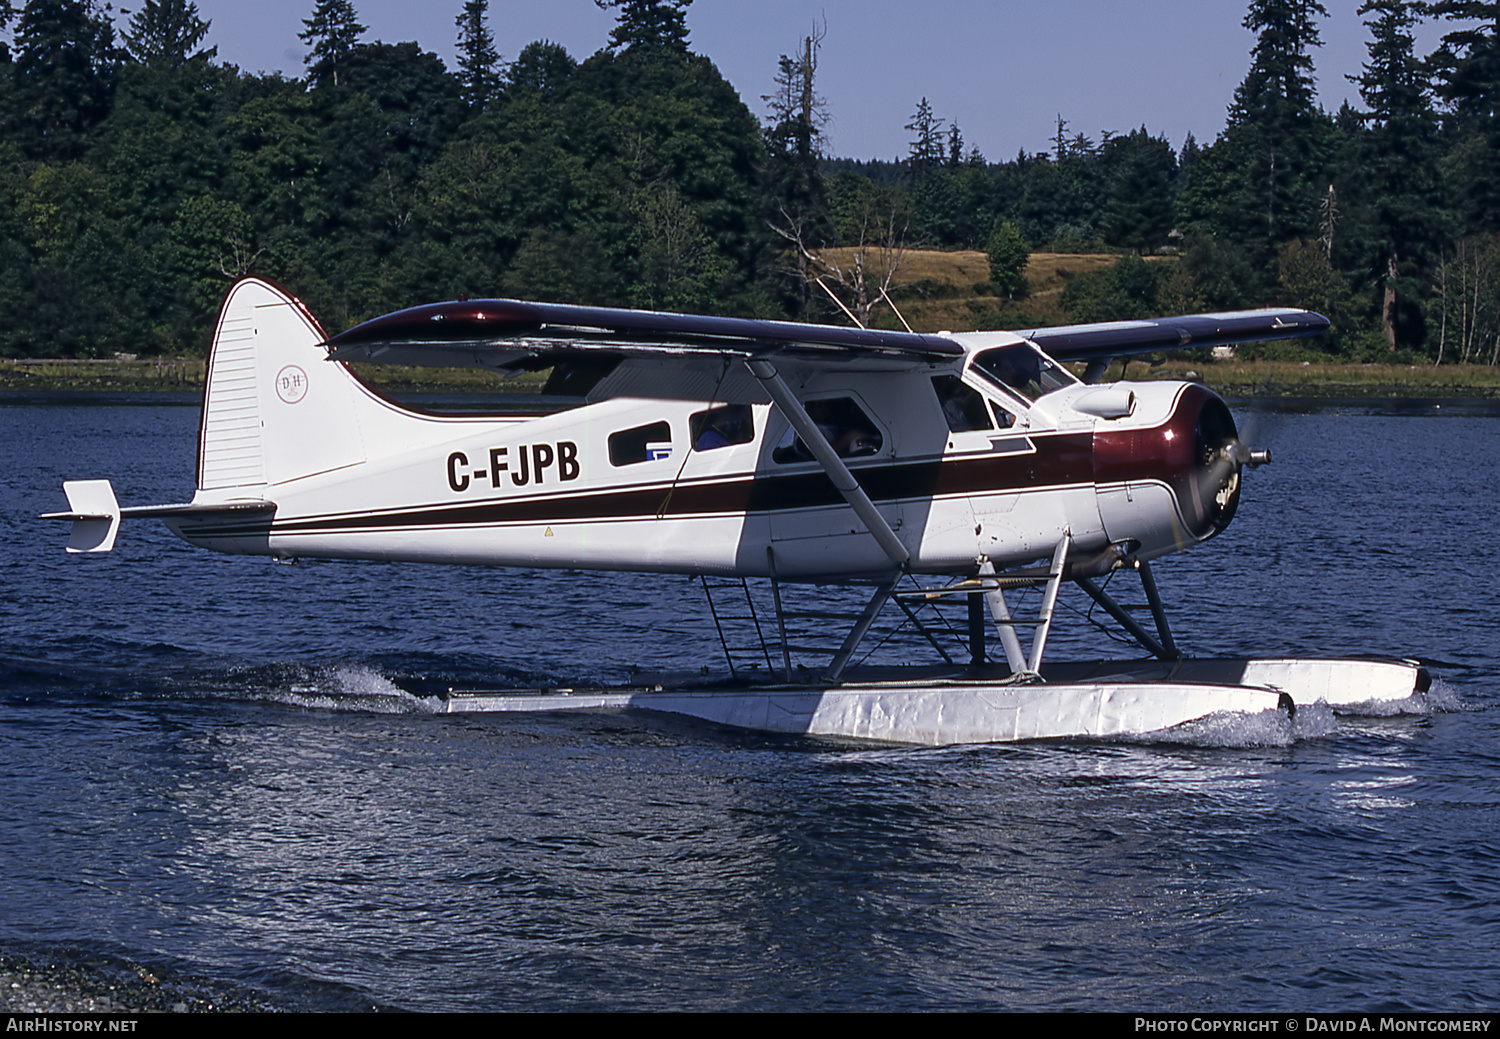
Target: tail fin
{"type": "Point", "coordinates": [275, 408]}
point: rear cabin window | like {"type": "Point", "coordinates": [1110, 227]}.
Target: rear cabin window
{"type": "Point", "coordinates": [641, 444]}
{"type": "Point", "coordinates": [842, 422]}
{"type": "Point", "coordinates": [721, 427]}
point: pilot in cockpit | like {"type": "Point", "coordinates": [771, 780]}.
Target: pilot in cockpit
{"type": "Point", "coordinates": [1017, 367]}
{"type": "Point", "coordinates": [1023, 370]}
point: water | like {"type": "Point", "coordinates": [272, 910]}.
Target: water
{"type": "Point", "coordinates": [227, 771]}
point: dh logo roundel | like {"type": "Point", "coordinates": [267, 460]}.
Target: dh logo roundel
{"type": "Point", "coordinates": [291, 384]}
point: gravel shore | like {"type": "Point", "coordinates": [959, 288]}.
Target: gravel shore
{"type": "Point", "coordinates": [58, 987]}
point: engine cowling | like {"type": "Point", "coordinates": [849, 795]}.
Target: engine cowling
{"type": "Point", "coordinates": [1174, 483]}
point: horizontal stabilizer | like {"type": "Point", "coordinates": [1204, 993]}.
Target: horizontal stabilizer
{"type": "Point", "coordinates": [95, 515]}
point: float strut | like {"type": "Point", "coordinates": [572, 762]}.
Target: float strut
{"type": "Point", "coordinates": [861, 627]}
{"type": "Point", "coordinates": [1148, 582]}
{"type": "Point", "coordinates": [1000, 610]}
{"type": "Point", "coordinates": [1049, 602]}
{"type": "Point", "coordinates": [786, 651]}
{"type": "Point", "coordinates": [1129, 623]}
{"type": "Point", "coordinates": [976, 628]}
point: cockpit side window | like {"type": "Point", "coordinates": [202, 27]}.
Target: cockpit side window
{"type": "Point", "coordinates": [963, 406]}
{"type": "Point", "coordinates": [1022, 370]}
{"type": "Point", "coordinates": [844, 423]}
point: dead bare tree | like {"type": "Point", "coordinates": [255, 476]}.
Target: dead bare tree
{"type": "Point", "coordinates": [861, 275]}
{"type": "Point", "coordinates": [1468, 290]}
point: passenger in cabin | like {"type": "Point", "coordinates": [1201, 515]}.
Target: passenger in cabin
{"type": "Point", "coordinates": [843, 424]}
{"type": "Point", "coordinates": [845, 427]}
{"type": "Point", "coordinates": [723, 427]}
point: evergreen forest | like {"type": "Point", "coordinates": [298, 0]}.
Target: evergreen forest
{"type": "Point", "coordinates": [139, 176]}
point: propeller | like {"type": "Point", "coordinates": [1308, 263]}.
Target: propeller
{"type": "Point", "coordinates": [1222, 457]}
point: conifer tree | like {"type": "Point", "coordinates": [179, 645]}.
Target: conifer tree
{"type": "Point", "coordinates": [1397, 161]}
{"type": "Point", "coordinates": [1140, 169]}
{"type": "Point", "coordinates": [65, 66]}
{"type": "Point", "coordinates": [925, 152]}
{"type": "Point", "coordinates": [1277, 116]}
{"type": "Point", "coordinates": [7, 14]}
{"type": "Point", "coordinates": [1260, 184]}
{"type": "Point", "coordinates": [649, 25]}
{"type": "Point", "coordinates": [795, 192]}
{"type": "Point", "coordinates": [332, 32]}
{"type": "Point", "coordinates": [478, 61]}
{"type": "Point", "coordinates": [955, 146]}
{"type": "Point", "coordinates": [1278, 90]}
{"type": "Point", "coordinates": [1468, 63]}
{"type": "Point", "coordinates": [1467, 69]}
{"type": "Point", "coordinates": [798, 114]}
{"type": "Point", "coordinates": [165, 32]}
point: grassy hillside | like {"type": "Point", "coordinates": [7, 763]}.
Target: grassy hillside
{"type": "Point", "coordinates": [951, 290]}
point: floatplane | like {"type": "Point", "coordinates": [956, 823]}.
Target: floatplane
{"type": "Point", "coordinates": [929, 468]}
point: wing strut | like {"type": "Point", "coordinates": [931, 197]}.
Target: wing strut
{"type": "Point", "coordinates": [832, 464]}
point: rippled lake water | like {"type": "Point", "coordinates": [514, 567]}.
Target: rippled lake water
{"type": "Point", "coordinates": [227, 771]}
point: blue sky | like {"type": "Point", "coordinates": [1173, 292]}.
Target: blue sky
{"type": "Point", "coordinates": [1003, 69]}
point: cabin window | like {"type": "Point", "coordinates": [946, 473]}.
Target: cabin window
{"type": "Point", "coordinates": [721, 427]}
{"type": "Point", "coordinates": [1003, 418]}
{"type": "Point", "coordinates": [963, 407]}
{"type": "Point", "coordinates": [842, 422]}
{"type": "Point", "coordinates": [642, 444]}
{"type": "Point", "coordinates": [1022, 370]}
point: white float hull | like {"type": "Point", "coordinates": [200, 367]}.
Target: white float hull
{"type": "Point", "coordinates": [1137, 698]}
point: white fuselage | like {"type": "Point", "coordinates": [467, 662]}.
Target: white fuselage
{"type": "Point", "coordinates": [631, 483]}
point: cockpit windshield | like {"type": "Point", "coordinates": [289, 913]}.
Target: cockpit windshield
{"type": "Point", "coordinates": [1021, 369]}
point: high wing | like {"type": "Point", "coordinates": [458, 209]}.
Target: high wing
{"type": "Point", "coordinates": [1100, 342]}
{"type": "Point", "coordinates": [514, 336]}
{"type": "Point", "coordinates": [603, 352]}
{"type": "Point", "coordinates": [511, 335]}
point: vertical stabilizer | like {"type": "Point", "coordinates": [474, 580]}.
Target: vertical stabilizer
{"type": "Point", "coordinates": [275, 408]}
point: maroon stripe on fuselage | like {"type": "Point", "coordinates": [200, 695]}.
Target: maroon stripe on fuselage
{"type": "Point", "coordinates": [1060, 460]}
